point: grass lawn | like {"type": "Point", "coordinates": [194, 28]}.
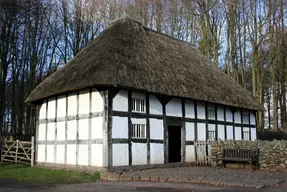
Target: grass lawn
{"type": "Point", "coordinates": [44, 176]}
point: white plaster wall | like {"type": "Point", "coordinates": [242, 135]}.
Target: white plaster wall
{"type": "Point", "coordinates": [72, 104]}
{"type": "Point", "coordinates": [51, 108]}
{"type": "Point", "coordinates": [237, 116]}
{"type": "Point", "coordinates": [42, 132]}
{"type": "Point", "coordinates": [51, 132]}
{"type": "Point", "coordinates": [41, 153]}
{"type": "Point", "coordinates": [252, 118]}
{"type": "Point", "coordinates": [228, 114]}
{"type": "Point", "coordinates": [97, 155]}
{"type": "Point", "coordinates": [189, 108]}
{"type": "Point", "coordinates": [61, 106]}
{"type": "Point", "coordinates": [229, 132]}
{"type": "Point", "coordinates": [97, 104]}
{"type": "Point", "coordinates": [253, 134]}
{"type": "Point", "coordinates": [71, 154]}
{"type": "Point", "coordinates": [120, 155]}
{"type": "Point", "coordinates": [138, 121]}
{"type": "Point", "coordinates": [72, 130]}
{"type": "Point", "coordinates": [61, 131]}
{"type": "Point", "coordinates": [42, 112]}
{"type": "Point", "coordinates": [120, 101]}
{"type": "Point", "coordinates": [220, 132]}
{"type": "Point", "coordinates": [97, 127]}
{"type": "Point", "coordinates": [139, 153]}
{"type": "Point", "coordinates": [156, 129]}
{"type": "Point", "coordinates": [83, 154]}
{"type": "Point", "coordinates": [220, 113]}
{"type": "Point", "coordinates": [156, 153]}
{"type": "Point", "coordinates": [155, 107]}
{"type": "Point", "coordinates": [174, 107]}
{"type": "Point", "coordinates": [238, 135]}
{"type": "Point", "coordinates": [50, 153]}
{"type": "Point", "coordinates": [84, 129]}
{"type": "Point", "coordinates": [200, 110]}
{"type": "Point", "coordinates": [211, 127]}
{"type": "Point", "coordinates": [120, 127]}
{"type": "Point", "coordinates": [201, 132]}
{"type": "Point", "coordinates": [84, 102]}
{"type": "Point", "coordinates": [60, 158]}
{"type": "Point", "coordinates": [189, 153]}
{"type": "Point", "coordinates": [189, 131]}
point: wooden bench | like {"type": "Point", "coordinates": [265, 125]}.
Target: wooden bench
{"type": "Point", "coordinates": [240, 155]}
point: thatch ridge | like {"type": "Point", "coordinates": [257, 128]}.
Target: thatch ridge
{"type": "Point", "coordinates": [128, 54]}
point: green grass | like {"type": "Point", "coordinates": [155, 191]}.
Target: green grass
{"type": "Point", "coordinates": [44, 176]}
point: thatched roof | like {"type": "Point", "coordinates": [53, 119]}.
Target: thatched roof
{"type": "Point", "coordinates": [130, 55]}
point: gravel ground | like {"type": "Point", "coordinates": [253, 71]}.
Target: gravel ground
{"type": "Point", "coordinates": [222, 175]}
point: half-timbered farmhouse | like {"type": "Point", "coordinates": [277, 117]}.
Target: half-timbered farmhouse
{"type": "Point", "coordinates": [135, 96]}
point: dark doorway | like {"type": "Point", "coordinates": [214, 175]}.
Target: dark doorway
{"type": "Point", "coordinates": [174, 143]}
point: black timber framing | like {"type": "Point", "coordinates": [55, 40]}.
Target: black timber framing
{"type": "Point", "coordinates": [233, 121]}
{"type": "Point", "coordinates": [206, 120]}
{"type": "Point", "coordinates": [130, 127]}
{"type": "Point", "coordinates": [241, 118]}
{"type": "Point", "coordinates": [172, 118]}
{"type": "Point", "coordinates": [109, 113]}
{"type": "Point", "coordinates": [148, 128]}
{"type": "Point", "coordinates": [90, 129]}
{"type": "Point", "coordinates": [164, 100]}
{"type": "Point", "coordinates": [137, 141]}
{"type": "Point", "coordinates": [195, 121]}
{"type": "Point", "coordinates": [224, 116]}
{"type": "Point", "coordinates": [183, 132]}
{"type": "Point", "coordinates": [107, 127]}
{"type": "Point", "coordinates": [216, 122]}
{"type": "Point", "coordinates": [249, 121]}
{"type": "Point", "coordinates": [72, 117]}
{"type": "Point", "coordinates": [38, 107]}
{"type": "Point", "coordinates": [55, 139]}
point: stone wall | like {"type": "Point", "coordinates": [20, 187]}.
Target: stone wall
{"type": "Point", "coordinates": [272, 156]}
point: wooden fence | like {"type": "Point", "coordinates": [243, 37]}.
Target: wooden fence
{"type": "Point", "coordinates": [203, 152]}
{"type": "Point", "coordinates": [18, 151]}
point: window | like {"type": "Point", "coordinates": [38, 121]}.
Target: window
{"type": "Point", "coordinates": [245, 118]}
{"type": "Point", "coordinates": [246, 135]}
{"type": "Point", "coordinates": [138, 131]}
{"type": "Point", "coordinates": [211, 135]}
{"type": "Point", "coordinates": [138, 105]}
{"type": "Point", "coordinates": [210, 113]}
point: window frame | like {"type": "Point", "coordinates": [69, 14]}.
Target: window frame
{"type": "Point", "coordinates": [246, 115]}
{"type": "Point", "coordinates": [246, 133]}
{"type": "Point", "coordinates": [141, 126]}
{"type": "Point", "coordinates": [140, 103]}
{"type": "Point", "coordinates": [213, 134]}
{"type": "Point", "coordinates": [211, 109]}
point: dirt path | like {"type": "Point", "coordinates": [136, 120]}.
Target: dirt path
{"type": "Point", "coordinates": [15, 186]}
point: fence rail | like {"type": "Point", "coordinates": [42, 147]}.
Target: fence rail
{"type": "Point", "coordinates": [18, 152]}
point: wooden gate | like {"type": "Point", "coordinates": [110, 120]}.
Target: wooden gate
{"type": "Point", "coordinates": [18, 152]}
{"type": "Point", "coordinates": [203, 152]}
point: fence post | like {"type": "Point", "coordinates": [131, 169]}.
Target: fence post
{"type": "Point", "coordinates": [32, 151]}
{"type": "Point", "coordinates": [17, 146]}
